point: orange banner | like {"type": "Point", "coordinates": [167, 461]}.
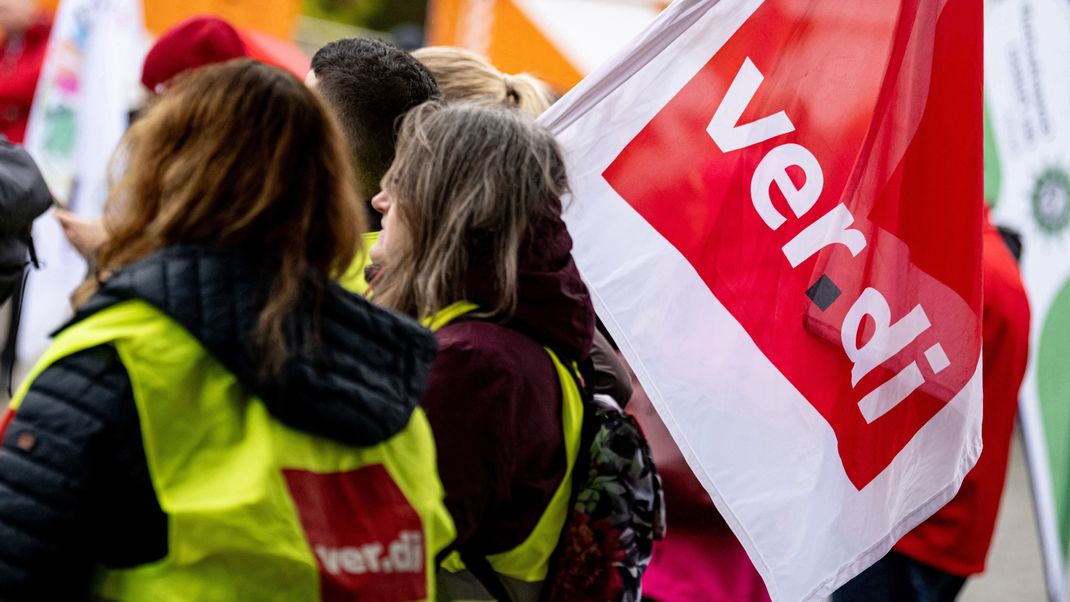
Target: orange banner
{"type": "Point", "coordinates": [504, 34]}
{"type": "Point", "coordinates": [275, 17]}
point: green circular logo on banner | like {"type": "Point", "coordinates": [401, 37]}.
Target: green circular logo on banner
{"type": "Point", "coordinates": [1051, 201]}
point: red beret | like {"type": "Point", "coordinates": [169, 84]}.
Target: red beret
{"type": "Point", "coordinates": [193, 43]}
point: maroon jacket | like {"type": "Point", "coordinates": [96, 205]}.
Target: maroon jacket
{"type": "Point", "coordinates": [494, 399]}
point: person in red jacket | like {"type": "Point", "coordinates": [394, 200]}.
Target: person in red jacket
{"type": "Point", "coordinates": [24, 31]}
{"type": "Point", "coordinates": [933, 561]}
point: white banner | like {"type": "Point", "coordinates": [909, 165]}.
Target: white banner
{"type": "Point", "coordinates": [1027, 50]}
{"type": "Point", "coordinates": [88, 86]}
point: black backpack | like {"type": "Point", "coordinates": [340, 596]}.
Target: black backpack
{"type": "Point", "coordinates": [23, 197]}
{"type": "Point", "coordinates": [617, 511]}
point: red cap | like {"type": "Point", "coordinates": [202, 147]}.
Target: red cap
{"type": "Point", "coordinates": [193, 43]}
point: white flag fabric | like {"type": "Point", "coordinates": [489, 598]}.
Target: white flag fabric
{"type": "Point", "coordinates": [88, 86]}
{"type": "Point", "coordinates": [777, 206]}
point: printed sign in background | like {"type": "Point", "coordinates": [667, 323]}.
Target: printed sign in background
{"type": "Point", "coordinates": [558, 40]}
{"type": "Point", "coordinates": [275, 17]}
{"type": "Point", "coordinates": [89, 83]}
{"type": "Point", "coordinates": [1027, 50]}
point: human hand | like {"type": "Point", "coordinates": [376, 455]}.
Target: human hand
{"type": "Point", "coordinates": [85, 235]}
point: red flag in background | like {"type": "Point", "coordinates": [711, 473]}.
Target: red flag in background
{"type": "Point", "coordinates": [778, 205]}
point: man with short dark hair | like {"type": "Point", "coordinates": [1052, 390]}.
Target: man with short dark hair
{"type": "Point", "coordinates": [369, 85]}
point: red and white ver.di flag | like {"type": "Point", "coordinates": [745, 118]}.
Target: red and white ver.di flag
{"type": "Point", "coordinates": [777, 205]}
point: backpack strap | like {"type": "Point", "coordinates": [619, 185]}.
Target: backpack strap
{"type": "Point", "coordinates": [478, 565]}
{"type": "Point", "coordinates": [7, 355]}
{"type": "Point", "coordinates": [579, 479]}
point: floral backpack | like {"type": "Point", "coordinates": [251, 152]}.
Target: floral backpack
{"type": "Point", "coordinates": [618, 511]}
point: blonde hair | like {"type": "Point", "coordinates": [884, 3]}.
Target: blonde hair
{"type": "Point", "coordinates": [464, 76]}
{"type": "Point", "coordinates": [468, 182]}
{"type": "Point", "coordinates": [238, 156]}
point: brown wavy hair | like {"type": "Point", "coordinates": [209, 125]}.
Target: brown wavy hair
{"type": "Point", "coordinates": [468, 183]}
{"type": "Point", "coordinates": [237, 156]}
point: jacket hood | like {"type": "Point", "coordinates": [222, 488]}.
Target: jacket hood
{"type": "Point", "coordinates": [553, 303]}
{"type": "Point", "coordinates": [358, 385]}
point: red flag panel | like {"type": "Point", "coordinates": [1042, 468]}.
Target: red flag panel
{"type": "Point", "coordinates": [824, 180]}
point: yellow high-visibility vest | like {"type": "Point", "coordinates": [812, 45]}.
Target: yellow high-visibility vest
{"type": "Point", "coordinates": [257, 510]}
{"type": "Point", "coordinates": [353, 280]}
{"type": "Point", "coordinates": [523, 569]}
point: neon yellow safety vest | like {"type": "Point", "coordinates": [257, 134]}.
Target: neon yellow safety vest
{"type": "Point", "coordinates": [257, 510]}
{"type": "Point", "coordinates": [353, 280]}
{"type": "Point", "coordinates": [523, 569]}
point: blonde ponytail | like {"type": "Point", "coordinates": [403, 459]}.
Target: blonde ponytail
{"type": "Point", "coordinates": [464, 76]}
{"type": "Point", "coordinates": [527, 93]}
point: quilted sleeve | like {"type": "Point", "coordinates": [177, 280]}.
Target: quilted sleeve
{"type": "Point", "coordinates": [74, 482]}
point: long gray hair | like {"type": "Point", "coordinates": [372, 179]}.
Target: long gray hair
{"type": "Point", "coordinates": [467, 183]}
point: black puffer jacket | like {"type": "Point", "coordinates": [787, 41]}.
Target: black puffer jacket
{"type": "Point", "coordinates": [74, 486]}
{"type": "Point", "coordinates": [23, 197]}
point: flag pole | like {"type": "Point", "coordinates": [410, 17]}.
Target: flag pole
{"type": "Point", "coordinates": [1039, 469]}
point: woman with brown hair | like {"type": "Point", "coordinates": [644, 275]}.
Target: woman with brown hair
{"type": "Point", "coordinates": [221, 421]}
{"type": "Point", "coordinates": [473, 242]}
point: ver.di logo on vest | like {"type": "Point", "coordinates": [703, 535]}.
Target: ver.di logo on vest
{"type": "Point", "coordinates": [403, 555]}
{"type": "Point", "coordinates": [365, 535]}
